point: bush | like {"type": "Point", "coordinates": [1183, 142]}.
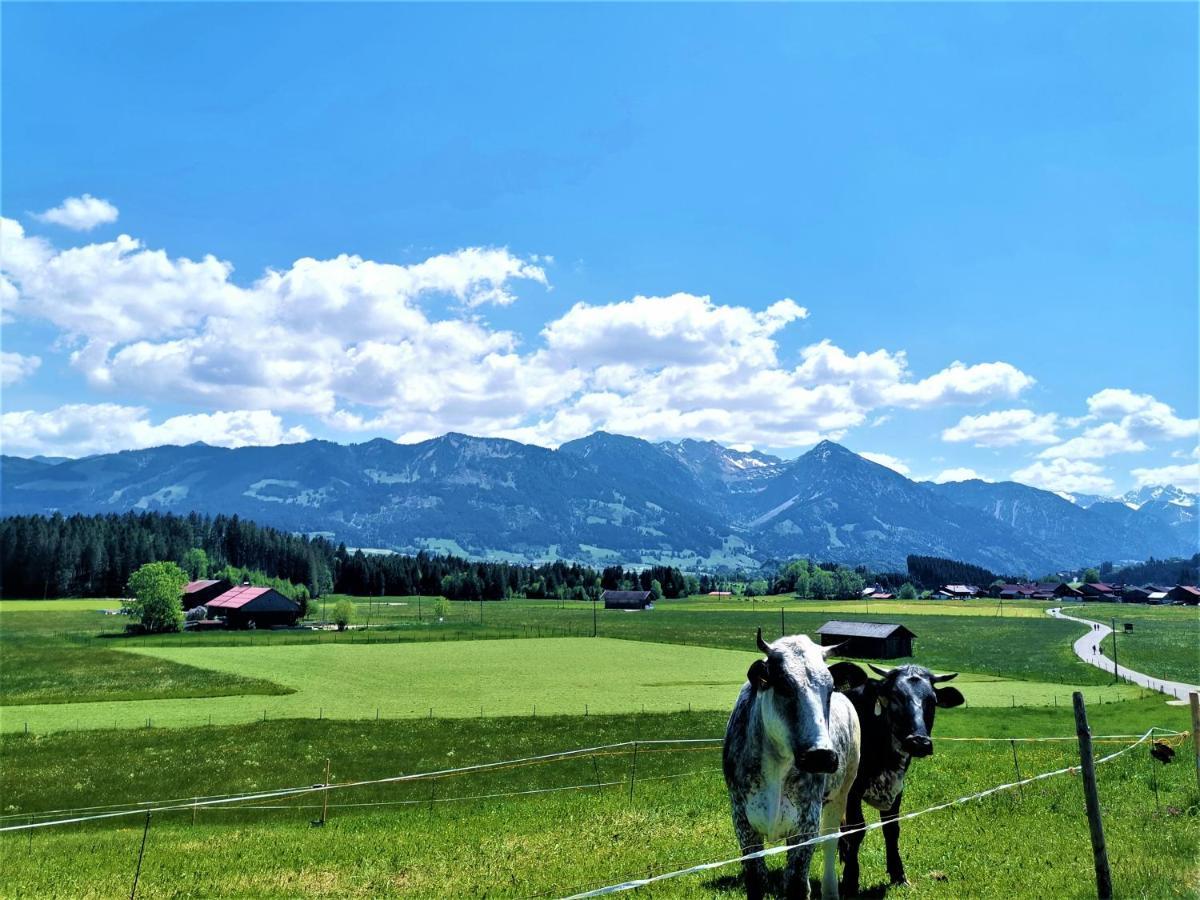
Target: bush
{"type": "Point", "coordinates": [907, 592]}
{"type": "Point", "coordinates": [343, 613]}
{"type": "Point", "coordinates": [441, 607]}
{"type": "Point", "coordinates": [157, 592]}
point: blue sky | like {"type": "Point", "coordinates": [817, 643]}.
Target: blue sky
{"type": "Point", "coordinates": [960, 237]}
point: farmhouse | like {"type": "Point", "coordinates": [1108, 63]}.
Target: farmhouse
{"type": "Point", "coordinates": [869, 640]}
{"type": "Point", "coordinates": [1100, 591]}
{"type": "Point", "coordinates": [1149, 593]}
{"type": "Point", "coordinates": [198, 593]}
{"type": "Point", "coordinates": [1185, 593]}
{"type": "Point", "coordinates": [627, 600]}
{"type": "Point", "coordinates": [956, 592]}
{"type": "Point", "coordinates": [245, 606]}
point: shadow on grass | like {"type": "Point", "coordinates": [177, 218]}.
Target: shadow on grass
{"type": "Point", "coordinates": [735, 886]}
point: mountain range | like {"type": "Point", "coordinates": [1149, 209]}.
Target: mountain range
{"type": "Point", "coordinates": [607, 498]}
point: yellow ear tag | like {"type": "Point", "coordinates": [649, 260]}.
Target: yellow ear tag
{"type": "Point", "coordinates": [878, 708]}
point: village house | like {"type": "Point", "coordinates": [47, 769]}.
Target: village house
{"type": "Point", "coordinates": [1101, 591]}
{"type": "Point", "coordinates": [1185, 593]}
{"type": "Point", "coordinates": [253, 607]}
{"type": "Point", "coordinates": [956, 592]}
{"type": "Point", "coordinates": [198, 593]}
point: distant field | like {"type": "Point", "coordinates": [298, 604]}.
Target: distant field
{"type": "Point", "coordinates": [1165, 639]}
{"type": "Point", "coordinates": [467, 678]}
{"type": "Point", "coordinates": [1030, 647]}
{"type": "Point", "coordinates": [69, 605]}
{"type": "Point", "coordinates": [53, 655]}
{"type": "Point", "coordinates": [1033, 844]}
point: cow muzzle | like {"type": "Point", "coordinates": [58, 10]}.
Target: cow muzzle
{"type": "Point", "coordinates": [817, 761]}
{"type": "Point", "coordinates": [918, 745]}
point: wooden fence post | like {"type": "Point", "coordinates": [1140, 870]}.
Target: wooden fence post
{"type": "Point", "coordinates": [1194, 699]}
{"type": "Point", "coordinates": [1091, 798]}
{"type": "Point", "coordinates": [141, 853]}
{"type": "Point", "coordinates": [325, 794]}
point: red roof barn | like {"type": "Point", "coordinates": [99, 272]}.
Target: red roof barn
{"type": "Point", "coordinates": [198, 593]}
{"type": "Point", "coordinates": [262, 606]}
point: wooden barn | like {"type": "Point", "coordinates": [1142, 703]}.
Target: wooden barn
{"type": "Point", "coordinates": [198, 593]}
{"type": "Point", "coordinates": [627, 599]}
{"type": "Point", "coordinates": [867, 640]}
{"type": "Point", "coordinates": [258, 607]}
{"type": "Point", "coordinates": [1185, 593]}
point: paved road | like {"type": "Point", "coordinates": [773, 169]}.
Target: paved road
{"type": "Point", "coordinates": [1086, 649]}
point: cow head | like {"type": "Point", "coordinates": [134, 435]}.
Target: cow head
{"type": "Point", "coordinates": [794, 685]}
{"type": "Point", "coordinates": [909, 697]}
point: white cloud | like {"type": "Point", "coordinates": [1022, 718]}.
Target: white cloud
{"type": "Point", "coordinates": [1139, 419]}
{"type": "Point", "coordinates": [961, 383]}
{"type": "Point", "coordinates": [82, 429]}
{"type": "Point", "coordinates": [15, 367]}
{"type": "Point", "coordinates": [80, 213]}
{"type": "Point", "coordinates": [961, 473]}
{"type": "Point", "coordinates": [1186, 476]}
{"type": "Point", "coordinates": [1004, 428]}
{"type": "Point", "coordinates": [358, 343]}
{"type": "Point", "coordinates": [1066, 475]}
{"type": "Point", "coordinates": [652, 332]}
{"type": "Point", "coordinates": [887, 460]}
{"type": "Point", "coordinates": [1096, 443]}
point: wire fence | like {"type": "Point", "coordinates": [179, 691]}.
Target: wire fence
{"type": "Point", "coordinates": [637, 767]}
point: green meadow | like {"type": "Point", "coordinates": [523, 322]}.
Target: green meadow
{"type": "Point", "coordinates": [1165, 640]}
{"type": "Point", "coordinates": [528, 680]}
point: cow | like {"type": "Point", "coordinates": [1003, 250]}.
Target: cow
{"type": "Point", "coordinates": [896, 716]}
{"type": "Point", "coordinates": [790, 756]}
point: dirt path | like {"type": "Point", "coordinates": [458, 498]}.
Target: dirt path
{"type": "Point", "coordinates": [1087, 649]}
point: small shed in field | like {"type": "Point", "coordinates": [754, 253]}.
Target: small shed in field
{"type": "Point", "coordinates": [627, 599]}
{"type": "Point", "coordinates": [868, 640]}
{"type": "Point", "coordinates": [264, 607]}
{"type": "Point", "coordinates": [198, 593]}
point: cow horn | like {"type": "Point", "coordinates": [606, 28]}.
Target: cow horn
{"type": "Point", "coordinates": [762, 645]}
{"type": "Point", "coordinates": [882, 673]}
{"type": "Point", "coordinates": [937, 679]}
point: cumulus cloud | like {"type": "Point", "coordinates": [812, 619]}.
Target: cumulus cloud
{"type": "Point", "coordinates": [1096, 443]}
{"type": "Point", "coordinates": [887, 460]}
{"type": "Point", "coordinates": [80, 213]}
{"type": "Point", "coordinates": [1136, 420]}
{"type": "Point", "coordinates": [1186, 476]}
{"type": "Point", "coordinates": [16, 367]}
{"type": "Point", "coordinates": [82, 429]}
{"type": "Point", "coordinates": [359, 343]}
{"type": "Point", "coordinates": [1004, 428]}
{"type": "Point", "coordinates": [961, 473]}
{"type": "Point", "coordinates": [960, 383]}
{"type": "Point", "coordinates": [1065, 475]}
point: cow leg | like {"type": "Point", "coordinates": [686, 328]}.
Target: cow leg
{"type": "Point", "coordinates": [799, 858]}
{"type": "Point", "coordinates": [755, 870]}
{"type": "Point", "coordinates": [831, 823]}
{"type": "Point", "coordinates": [848, 846]}
{"type": "Point", "coordinates": [891, 838]}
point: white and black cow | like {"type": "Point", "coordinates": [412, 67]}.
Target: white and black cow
{"type": "Point", "coordinates": [790, 756]}
{"type": "Point", "coordinates": [896, 715]}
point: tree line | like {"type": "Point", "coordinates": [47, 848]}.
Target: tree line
{"type": "Point", "coordinates": [94, 556]}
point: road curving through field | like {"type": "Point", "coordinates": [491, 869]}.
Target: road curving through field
{"type": "Point", "coordinates": [1087, 648]}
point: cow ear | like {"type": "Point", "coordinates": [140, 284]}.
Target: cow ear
{"type": "Point", "coordinates": [757, 676]}
{"type": "Point", "coordinates": [948, 697]}
{"type": "Point", "coordinates": [847, 676]}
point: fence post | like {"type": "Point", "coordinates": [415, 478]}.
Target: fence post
{"type": "Point", "coordinates": [1194, 699]}
{"type": "Point", "coordinates": [141, 853]}
{"type": "Point", "coordinates": [633, 770]}
{"type": "Point", "coordinates": [1017, 767]}
{"type": "Point", "coordinates": [325, 793]}
{"type": "Point", "coordinates": [1092, 800]}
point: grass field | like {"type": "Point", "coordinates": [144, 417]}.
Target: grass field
{"type": "Point", "coordinates": [451, 836]}
{"type": "Point", "coordinates": [1024, 646]}
{"type": "Point", "coordinates": [553, 843]}
{"type": "Point", "coordinates": [47, 659]}
{"type": "Point", "coordinates": [1165, 639]}
{"type": "Point", "coordinates": [466, 679]}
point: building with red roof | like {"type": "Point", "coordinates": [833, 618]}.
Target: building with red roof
{"type": "Point", "coordinates": [258, 607]}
